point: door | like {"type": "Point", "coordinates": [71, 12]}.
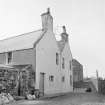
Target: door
{"type": "Point", "coordinates": [41, 83]}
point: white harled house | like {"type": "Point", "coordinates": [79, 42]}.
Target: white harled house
{"type": "Point", "coordinates": [51, 60]}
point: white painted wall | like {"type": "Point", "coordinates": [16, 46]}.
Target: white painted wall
{"type": "Point", "coordinates": [46, 62]}
{"type": "Point", "coordinates": [67, 71]}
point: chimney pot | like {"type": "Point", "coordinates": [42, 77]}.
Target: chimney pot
{"type": "Point", "coordinates": [64, 29]}
{"type": "Point", "coordinates": [64, 35]}
{"type": "Point", "coordinates": [47, 20]}
{"type": "Point", "coordinates": [48, 10]}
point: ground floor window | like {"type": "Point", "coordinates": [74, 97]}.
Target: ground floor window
{"type": "Point", "coordinates": [63, 79]}
{"type": "Point", "coordinates": [71, 82]}
{"type": "Point", "coordinates": [51, 78]}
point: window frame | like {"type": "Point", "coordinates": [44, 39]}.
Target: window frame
{"type": "Point", "coordinates": [51, 78]}
{"type": "Point", "coordinates": [57, 58]}
{"type": "Point", "coordinates": [70, 65]}
{"type": "Point", "coordinates": [63, 78]}
{"type": "Point", "coordinates": [71, 80]}
{"type": "Point", "coordinates": [9, 57]}
{"type": "Point", "coordinates": [63, 63]}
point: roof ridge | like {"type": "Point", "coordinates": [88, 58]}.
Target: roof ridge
{"type": "Point", "coordinates": [20, 35]}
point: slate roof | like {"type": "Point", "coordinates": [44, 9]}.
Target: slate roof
{"type": "Point", "coordinates": [77, 65]}
{"type": "Point", "coordinates": [24, 41]}
{"type": "Point", "coordinates": [75, 62]}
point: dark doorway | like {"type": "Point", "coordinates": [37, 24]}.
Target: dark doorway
{"type": "Point", "coordinates": [41, 83]}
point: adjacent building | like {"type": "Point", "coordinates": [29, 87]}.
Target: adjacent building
{"type": "Point", "coordinates": [77, 71]}
{"type": "Point", "coordinates": [49, 60]}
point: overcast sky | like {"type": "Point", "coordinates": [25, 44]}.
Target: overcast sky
{"type": "Point", "coordinates": [84, 20]}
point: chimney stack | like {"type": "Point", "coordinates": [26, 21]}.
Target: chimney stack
{"type": "Point", "coordinates": [47, 20]}
{"type": "Point", "coordinates": [64, 35]}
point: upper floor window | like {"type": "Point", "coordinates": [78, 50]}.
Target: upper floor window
{"type": "Point", "coordinates": [51, 78]}
{"type": "Point", "coordinates": [9, 57]}
{"type": "Point", "coordinates": [63, 63]}
{"type": "Point", "coordinates": [70, 63]}
{"type": "Point", "coordinates": [57, 58]}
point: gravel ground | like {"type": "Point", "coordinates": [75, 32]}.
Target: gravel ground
{"type": "Point", "coordinates": [68, 99]}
